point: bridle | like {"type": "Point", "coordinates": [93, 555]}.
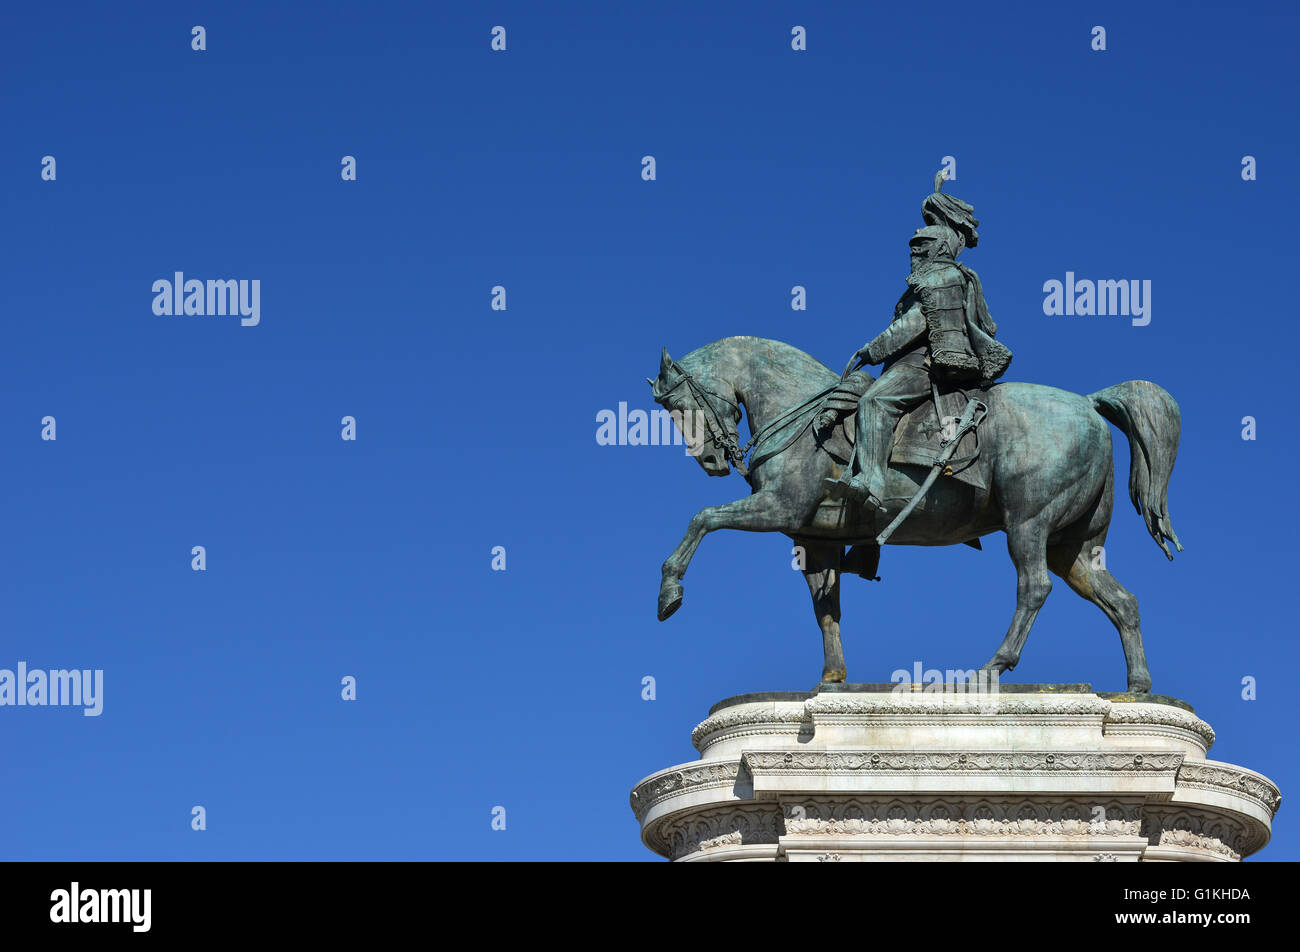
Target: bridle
{"type": "Point", "coordinates": [713, 421]}
{"type": "Point", "coordinates": [735, 453]}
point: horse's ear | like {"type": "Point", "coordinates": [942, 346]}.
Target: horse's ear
{"type": "Point", "coordinates": [665, 364]}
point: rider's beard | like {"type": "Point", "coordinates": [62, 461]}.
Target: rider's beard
{"type": "Point", "coordinates": [927, 259]}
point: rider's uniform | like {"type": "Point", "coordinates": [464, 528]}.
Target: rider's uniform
{"type": "Point", "coordinates": [929, 338]}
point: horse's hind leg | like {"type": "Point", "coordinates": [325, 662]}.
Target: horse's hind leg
{"type": "Point", "coordinates": [822, 572]}
{"type": "Point", "coordinates": [1027, 543]}
{"type": "Point", "coordinates": [1075, 563]}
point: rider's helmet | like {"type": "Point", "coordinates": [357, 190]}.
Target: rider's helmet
{"type": "Point", "coordinates": [936, 241]}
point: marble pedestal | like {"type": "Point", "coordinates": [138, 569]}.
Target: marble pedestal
{"type": "Point", "coordinates": [1031, 772]}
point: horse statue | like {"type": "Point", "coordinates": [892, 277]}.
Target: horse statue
{"type": "Point", "coordinates": [1047, 482]}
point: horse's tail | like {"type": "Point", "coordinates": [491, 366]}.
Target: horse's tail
{"type": "Point", "coordinates": [1149, 418]}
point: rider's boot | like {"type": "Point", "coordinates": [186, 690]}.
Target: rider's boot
{"type": "Point", "coordinates": [874, 433]}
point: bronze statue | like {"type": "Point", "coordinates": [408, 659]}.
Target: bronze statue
{"type": "Point", "coordinates": [1035, 462]}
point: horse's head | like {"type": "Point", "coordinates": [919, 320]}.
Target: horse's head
{"type": "Point", "coordinates": [704, 409]}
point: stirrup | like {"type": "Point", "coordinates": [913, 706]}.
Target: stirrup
{"type": "Point", "coordinates": [869, 499]}
{"type": "Point", "coordinates": [851, 489]}
{"type": "Point", "coordinates": [838, 488]}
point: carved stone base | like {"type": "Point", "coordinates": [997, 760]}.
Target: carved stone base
{"type": "Point", "coordinates": [1032, 772]}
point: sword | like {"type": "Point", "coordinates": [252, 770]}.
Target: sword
{"type": "Point", "coordinates": [971, 417]}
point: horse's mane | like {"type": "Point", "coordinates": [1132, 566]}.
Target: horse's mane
{"type": "Point", "coordinates": [790, 368]}
{"type": "Point", "coordinates": [779, 352]}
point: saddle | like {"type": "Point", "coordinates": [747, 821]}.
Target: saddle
{"type": "Point", "coordinates": [918, 438]}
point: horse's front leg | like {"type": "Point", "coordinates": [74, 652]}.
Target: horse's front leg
{"type": "Point", "coordinates": [761, 512]}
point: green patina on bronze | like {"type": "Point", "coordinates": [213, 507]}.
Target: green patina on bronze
{"type": "Point", "coordinates": [1043, 472]}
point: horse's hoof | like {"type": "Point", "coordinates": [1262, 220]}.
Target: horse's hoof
{"type": "Point", "coordinates": [833, 675]}
{"type": "Point", "coordinates": [1139, 687]}
{"type": "Point", "coordinates": [670, 599]}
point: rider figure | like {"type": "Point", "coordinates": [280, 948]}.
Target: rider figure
{"type": "Point", "coordinates": [941, 331]}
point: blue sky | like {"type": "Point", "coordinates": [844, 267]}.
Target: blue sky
{"type": "Point", "coordinates": [476, 428]}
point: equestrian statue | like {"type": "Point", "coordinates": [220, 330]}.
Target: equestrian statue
{"type": "Point", "coordinates": [932, 452]}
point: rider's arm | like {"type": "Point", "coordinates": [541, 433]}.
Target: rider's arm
{"type": "Point", "coordinates": [896, 338]}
